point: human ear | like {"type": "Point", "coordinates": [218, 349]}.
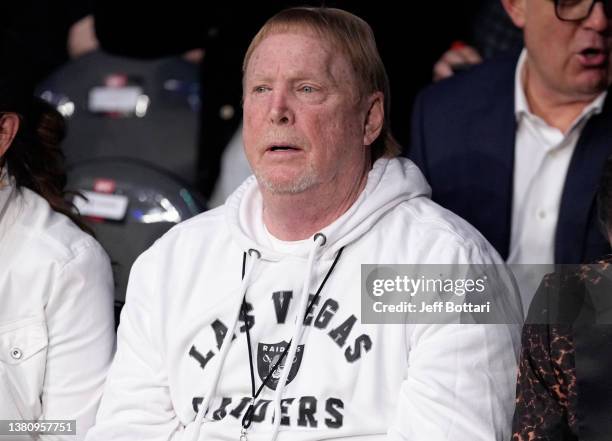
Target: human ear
{"type": "Point", "coordinates": [516, 10]}
{"type": "Point", "coordinates": [375, 118]}
{"type": "Point", "coordinates": [9, 125]}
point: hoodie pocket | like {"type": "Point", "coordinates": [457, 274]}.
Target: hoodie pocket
{"type": "Point", "coordinates": [23, 352]}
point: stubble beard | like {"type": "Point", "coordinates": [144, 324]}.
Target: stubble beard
{"type": "Point", "coordinates": [298, 185]}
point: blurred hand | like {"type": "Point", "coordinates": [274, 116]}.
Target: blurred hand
{"type": "Point", "coordinates": [82, 37]}
{"type": "Point", "coordinates": [458, 57]}
{"type": "Point", "coordinates": [194, 56]}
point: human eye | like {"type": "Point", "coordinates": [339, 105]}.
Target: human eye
{"type": "Point", "coordinates": [307, 88]}
{"type": "Point", "coordinates": [260, 89]}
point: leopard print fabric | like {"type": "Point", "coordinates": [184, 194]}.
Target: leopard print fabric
{"type": "Point", "coordinates": [546, 385]}
{"type": "Point", "coordinates": [546, 392]}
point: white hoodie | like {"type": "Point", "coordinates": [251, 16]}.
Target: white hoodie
{"type": "Point", "coordinates": [347, 379]}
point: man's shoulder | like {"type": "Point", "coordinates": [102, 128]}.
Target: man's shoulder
{"type": "Point", "coordinates": [427, 214]}
{"type": "Point", "coordinates": [198, 230]}
{"type": "Point", "coordinates": [430, 223]}
{"type": "Point", "coordinates": [481, 83]}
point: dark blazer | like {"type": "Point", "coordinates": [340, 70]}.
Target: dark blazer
{"type": "Point", "coordinates": [463, 134]}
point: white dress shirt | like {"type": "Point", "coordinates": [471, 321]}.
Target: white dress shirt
{"type": "Point", "coordinates": [542, 156]}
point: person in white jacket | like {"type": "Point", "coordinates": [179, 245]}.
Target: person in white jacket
{"type": "Point", "coordinates": [56, 291]}
{"type": "Point", "coordinates": [245, 322]}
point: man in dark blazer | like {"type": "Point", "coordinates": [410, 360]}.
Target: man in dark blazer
{"type": "Point", "coordinates": [475, 142]}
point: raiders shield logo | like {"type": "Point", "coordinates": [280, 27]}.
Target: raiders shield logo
{"type": "Point", "coordinates": [267, 357]}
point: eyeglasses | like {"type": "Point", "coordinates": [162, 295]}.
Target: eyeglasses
{"type": "Point", "coordinates": [577, 10]}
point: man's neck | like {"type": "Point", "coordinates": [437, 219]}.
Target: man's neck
{"type": "Point", "coordinates": [292, 217]}
{"type": "Point", "coordinates": [558, 110]}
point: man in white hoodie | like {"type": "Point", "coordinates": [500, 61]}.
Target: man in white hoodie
{"type": "Point", "coordinates": [217, 307]}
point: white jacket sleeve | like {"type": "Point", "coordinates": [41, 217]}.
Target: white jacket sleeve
{"type": "Point", "coordinates": [81, 339]}
{"type": "Point", "coordinates": [136, 404]}
{"type": "Point", "coordinates": [460, 384]}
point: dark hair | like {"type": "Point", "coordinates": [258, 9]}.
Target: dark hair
{"type": "Point", "coordinates": [35, 158]}
{"type": "Point", "coordinates": [604, 198]}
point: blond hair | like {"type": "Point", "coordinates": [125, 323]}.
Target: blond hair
{"type": "Point", "coordinates": [355, 39]}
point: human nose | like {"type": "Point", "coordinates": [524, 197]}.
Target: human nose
{"type": "Point", "coordinates": [599, 19]}
{"type": "Point", "coordinates": [280, 110]}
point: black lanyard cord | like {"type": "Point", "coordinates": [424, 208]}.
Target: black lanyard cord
{"type": "Point", "coordinates": [248, 416]}
{"type": "Point", "coordinates": [248, 334]}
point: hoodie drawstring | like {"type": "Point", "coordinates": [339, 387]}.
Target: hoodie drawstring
{"type": "Point", "coordinates": [227, 342]}
{"type": "Point", "coordinates": [319, 240]}
{"type": "Point", "coordinates": [290, 351]}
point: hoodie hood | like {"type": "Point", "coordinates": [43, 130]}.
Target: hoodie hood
{"type": "Point", "coordinates": [389, 183]}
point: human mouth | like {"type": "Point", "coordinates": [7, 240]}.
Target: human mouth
{"type": "Point", "coordinates": [593, 57]}
{"type": "Point", "coordinates": [282, 148]}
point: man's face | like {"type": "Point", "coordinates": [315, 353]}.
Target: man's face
{"type": "Point", "coordinates": [569, 58]}
{"type": "Point", "coordinates": [303, 118]}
